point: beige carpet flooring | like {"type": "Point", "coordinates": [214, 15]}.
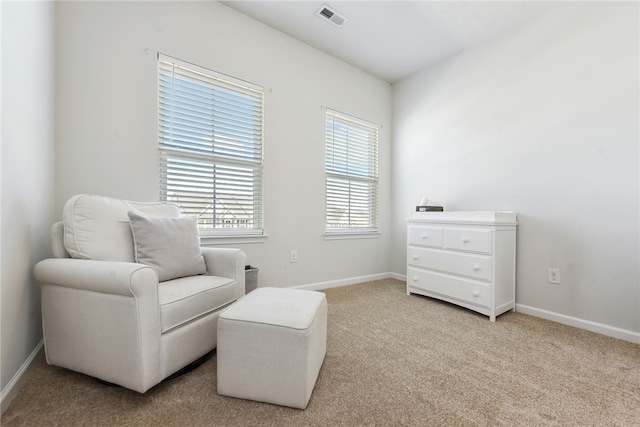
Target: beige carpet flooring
{"type": "Point", "coordinates": [392, 359]}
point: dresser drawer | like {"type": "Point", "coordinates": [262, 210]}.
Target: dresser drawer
{"type": "Point", "coordinates": [468, 239]}
{"type": "Point", "coordinates": [474, 266]}
{"type": "Point", "coordinates": [457, 288]}
{"type": "Point", "coordinates": [426, 236]}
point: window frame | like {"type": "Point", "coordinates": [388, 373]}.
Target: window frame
{"type": "Point", "coordinates": [240, 162]}
{"type": "Point", "coordinates": [339, 170]}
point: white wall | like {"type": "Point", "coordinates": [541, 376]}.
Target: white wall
{"type": "Point", "coordinates": [107, 120]}
{"type": "Point", "coordinates": [27, 177]}
{"type": "Point", "coordinates": [544, 122]}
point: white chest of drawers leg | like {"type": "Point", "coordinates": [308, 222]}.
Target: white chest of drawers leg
{"type": "Point", "coordinates": [465, 258]}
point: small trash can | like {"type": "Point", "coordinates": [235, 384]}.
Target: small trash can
{"type": "Point", "coordinates": [250, 278]}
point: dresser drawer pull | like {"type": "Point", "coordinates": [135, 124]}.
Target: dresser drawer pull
{"type": "Point", "coordinates": [415, 278]}
{"type": "Point", "coordinates": [415, 257]}
{"type": "Point", "coordinates": [424, 237]}
{"type": "Point", "coordinates": [476, 293]}
{"type": "Point", "coordinates": [465, 240]}
{"type": "Point", "coordinates": [476, 267]}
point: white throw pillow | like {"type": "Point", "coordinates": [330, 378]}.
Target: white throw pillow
{"type": "Point", "coordinates": [171, 245]}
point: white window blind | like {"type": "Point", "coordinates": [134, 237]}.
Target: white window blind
{"type": "Point", "coordinates": [210, 147]}
{"type": "Point", "coordinates": [351, 167]}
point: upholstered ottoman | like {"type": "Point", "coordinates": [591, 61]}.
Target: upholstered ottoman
{"type": "Point", "coordinates": [271, 345]}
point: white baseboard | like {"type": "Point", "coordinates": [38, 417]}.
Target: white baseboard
{"type": "Point", "coordinates": [18, 380]}
{"type": "Point", "coordinates": [344, 282]}
{"type": "Point", "coordinates": [611, 331]}
{"type": "Point", "coordinates": [398, 276]}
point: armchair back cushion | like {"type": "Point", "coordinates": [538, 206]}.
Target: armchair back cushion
{"type": "Point", "coordinates": [57, 241]}
{"type": "Point", "coordinates": [98, 227]}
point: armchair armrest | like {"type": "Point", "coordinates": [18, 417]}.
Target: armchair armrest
{"type": "Point", "coordinates": [118, 278]}
{"type": "Point", "coordinates": [226, 262]}
{"type": "Point", "coordinates": [102, 318]}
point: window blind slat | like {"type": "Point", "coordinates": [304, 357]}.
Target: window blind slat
{"type": "Point", "coordinates": [210, 146]}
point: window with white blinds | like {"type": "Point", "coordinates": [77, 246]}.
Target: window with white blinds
{"type": "Point", "coordinates": [210, 147]}
{"type": "Point", "coordinates": [351, 168]}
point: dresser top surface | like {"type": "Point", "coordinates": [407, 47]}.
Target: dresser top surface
{"type": "Point", "coordinates": [484, 217]}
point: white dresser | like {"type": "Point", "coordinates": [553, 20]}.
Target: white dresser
{"type": "Point", "coordinates": [466, 258]}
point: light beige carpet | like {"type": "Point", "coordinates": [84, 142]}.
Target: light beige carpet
{"type": "Point", "coordinates": [392, 359]}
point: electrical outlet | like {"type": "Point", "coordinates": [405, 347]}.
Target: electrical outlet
{"type": "Point", "coordinates": [293, 257]}
{"type": "Point", "coordinates": [554, 275]}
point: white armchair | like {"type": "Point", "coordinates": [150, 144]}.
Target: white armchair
{"type": "Point", "coordinates": [126, 322]}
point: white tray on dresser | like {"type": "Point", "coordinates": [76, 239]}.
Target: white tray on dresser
{"type": "Point", "coordinates": [466, 258]}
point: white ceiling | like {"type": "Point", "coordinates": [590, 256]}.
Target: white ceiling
{"type": "Point", "coordinates": [392, 39]}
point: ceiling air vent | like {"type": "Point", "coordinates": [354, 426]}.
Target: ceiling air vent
{"type": "Point", "coordinates": [332, 15]}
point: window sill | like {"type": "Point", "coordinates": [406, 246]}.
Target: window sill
{"type": "Point", "coordinates": [212, 239]}
{"type": "Point", "coordinates": [348, 235]}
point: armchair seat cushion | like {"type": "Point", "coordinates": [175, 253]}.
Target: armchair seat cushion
{"type": "Point", "coordinates": [187, 298]}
